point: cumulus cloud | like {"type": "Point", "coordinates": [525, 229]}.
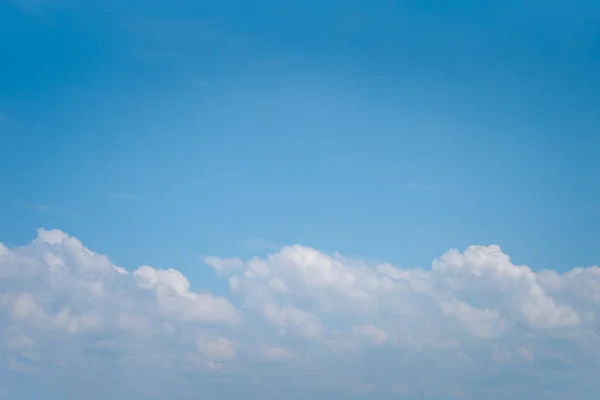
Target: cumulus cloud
{"type": "Point", "coordinates": [175, 300]}
{"type": "Point", "coordinates": [274, 352]}
{"type": "Point", "coordinates": [371, 333]}
{"type": "Point", "coordinates": [223, 266]}
{"type": "Point", "coordinates": [218, 348]}
{"type": "Point", "coordinates": [473, 324]}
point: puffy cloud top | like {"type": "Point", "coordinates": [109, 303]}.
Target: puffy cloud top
{"type": "Point", "coordinates": [473, 324]}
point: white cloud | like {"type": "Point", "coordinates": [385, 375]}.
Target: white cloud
{"type": "Point", "coordinates": [274, 353]}
{"type": "Point", "coordinates": [132, 322]}
{"type": "Point", "coordinates": [68, 313]}
{"type": "Point", "coordinates": [217, 348]}
{"type": "Point", "coordinates": [371, 333]}
{"type": "Point", "coordinates": [224, 266]}
{"type": "Point", "coordinates": [291, 319]}
{"type": "Point", "coordinates": [175, 300]}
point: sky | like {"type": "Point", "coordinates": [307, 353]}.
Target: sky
{"type": "Point", "coordinates": [267, 199]}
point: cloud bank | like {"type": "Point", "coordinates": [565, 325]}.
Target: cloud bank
{"type": "Point", "coordinates": [295, 323]}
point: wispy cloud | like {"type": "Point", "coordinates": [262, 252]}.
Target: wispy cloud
{"type": "Point", "coordinates": [40, 207]}
{"type": "Point", "coordinates": [199, 81]}
{"type": "Point", "coordinates": [46, 208]}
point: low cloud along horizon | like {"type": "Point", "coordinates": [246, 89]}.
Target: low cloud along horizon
{"type": "Point", "coordinates": [473, 325]}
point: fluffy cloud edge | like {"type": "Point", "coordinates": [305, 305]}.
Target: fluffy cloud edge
{"type": "Point", "coordinates": [470, 308]}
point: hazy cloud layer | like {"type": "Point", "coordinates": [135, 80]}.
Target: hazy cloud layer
{"type": "Point", "coordinates": [297, 322]}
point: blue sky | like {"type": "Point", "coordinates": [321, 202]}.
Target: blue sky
{"type": "Point", "coordinates": [389, 131]}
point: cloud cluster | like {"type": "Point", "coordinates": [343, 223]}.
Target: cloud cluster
{"type": "Point", "coordinates": [297, 322]}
